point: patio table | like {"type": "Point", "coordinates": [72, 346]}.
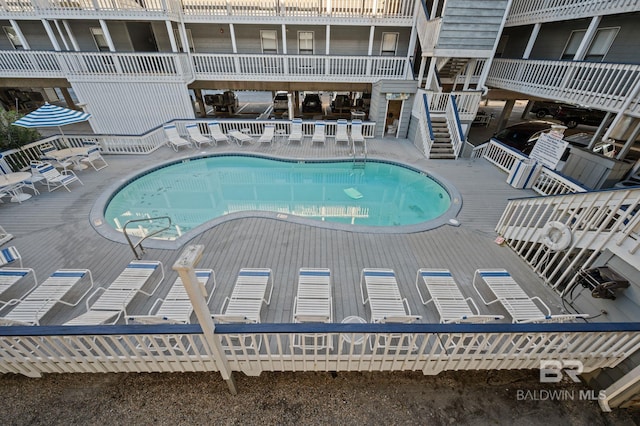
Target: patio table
{"type": "Point", "coordinates": [10, 179]}
{"type": "Point", "coordinates": [74, 154]}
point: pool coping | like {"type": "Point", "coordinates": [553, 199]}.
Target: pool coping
{"type": "Point", "coordinates": [98, 222]}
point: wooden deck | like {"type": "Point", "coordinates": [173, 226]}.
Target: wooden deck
{"type": "Point", "coordinates": [53, 231]}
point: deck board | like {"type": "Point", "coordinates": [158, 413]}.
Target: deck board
{"type": "Point", "coordinates": [52, 231]}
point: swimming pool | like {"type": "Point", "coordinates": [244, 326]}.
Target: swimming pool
{"type": "Point", "coordinates": [196, 191]}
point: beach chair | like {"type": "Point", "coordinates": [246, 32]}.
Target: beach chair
{"type": "Point", "coordinates": [296, 131]}
{"type": "Point", "coordinates": [36, 304]}
{"type": "Point", "coordinates": [239, 137]}
{"type": "Point", "coordinates": [11, 276]}
{"type": "Point", "coordinates": [517, 303]}
{"type": "Point", "coordinates": [94, 155]}
{"type": "Point", "coordinates": [319, 135]}
{"type": "Point", "coordinates": [341, 132]}
{"type": "Point", "coordinates": [268, 134]}
{"type": "Point", "coordinates": [452, 306]}
{"type": "Point", "coordinates": [174, 140]}
{"type": "Point", "coordinates": [9, 255]}
{"type": "Point", "coordinates": [387, 306]}
{"type": "Point", "coordinates": [114, 299]}
{"type": "Point", "coordinates": [196, 137]}
{"type": "Point", "coordinates": [356, 132]}
{"type": "Point", "coordinates": [216, 133]}
{"type": "Point", "coordinates": [313, 303]}
{"type": "Point", "coordinates": [244, 305]}
{"type": "Point", "coordinates": [56, 179]}
{"type": "Point", "coordinates": [176, 307]}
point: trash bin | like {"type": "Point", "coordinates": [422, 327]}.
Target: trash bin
{"type": "Point", "coordinates": [523, 173]}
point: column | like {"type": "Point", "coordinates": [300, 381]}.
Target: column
{"type": "Point", "coordinates": [532, 40]}
{"type": "Point", "coordinates": [52, 36]}
{"type": "Point", "coordinates": [67, 98]}
{"type": "Point", "coordinates": [587, 39]}
{"type": "Point", "coordinates": [172, 37]}
{"type": "Point", "coordinates": [505, 114]}
{"type": "Point", "coordinates": [200, 99]}
{"type": "Point", "coordinates": [64, 39]}
{"type": "Point", "coordinates": [370, 49]}
{"type": "Point", "coordinates": [74, 42]}
{"type": "Point", "coordinates": [107, 35]}
{"type": "Point", "coordinates": [18, 31]}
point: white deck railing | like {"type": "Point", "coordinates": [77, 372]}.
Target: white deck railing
{"type": "Point", "coordinates": [18, 159]}
{"type": "Point", "coordinates": [395, 9]}
{"type": "Point", "coordinates": [604, 86]}
{"type": "Point", "coordinates": [596, 221]}
{"type": "Point", "coordinates": [527, 12]}
{"type": "Point", "coordinates": [505, 158]}
{"type": "Point", "coordinates": [467, 103]}
{"type": "Point", "coordinates": [424, 137]}
{"type": "Point", "coordinates": [430, 348]}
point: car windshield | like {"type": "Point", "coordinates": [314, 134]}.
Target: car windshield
{"type": "Point", "coordinates": [513, 136]}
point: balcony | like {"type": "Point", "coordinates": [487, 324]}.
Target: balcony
{"type": "Point", "coordinates": [526, 12]}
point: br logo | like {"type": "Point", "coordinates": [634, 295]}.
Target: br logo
{"type": "Point", "coordinates": [552, 371]}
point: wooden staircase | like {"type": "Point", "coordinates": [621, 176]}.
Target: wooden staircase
{"type": "Point", "coordinates": [441, 148]}
{"type": "Point", "coordinates": [450, 69]}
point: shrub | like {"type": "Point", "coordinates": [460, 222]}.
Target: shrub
{"type": "Point", "coordinates": [15, 136]}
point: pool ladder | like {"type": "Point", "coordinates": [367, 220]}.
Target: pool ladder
{"type": "Point", "coordinates": [359, 161]}
{"type": "Point", "coordinates": [134, 247]}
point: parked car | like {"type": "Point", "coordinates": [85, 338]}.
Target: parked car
{"type": "Point", "coordinates": [523, 136]}
{"type": "Point", "coordinates": [280, 103]}
{"type": "Point", "coordinates": [223, 102]}
{"type": "Point", "coordinates": [312, 103]}
{"type": "Point", "coordinates": [341, 104]}
{"type": "Point", "coordinates": [543, 108]}
{"type": "Point", "coordinates": [571, 116]}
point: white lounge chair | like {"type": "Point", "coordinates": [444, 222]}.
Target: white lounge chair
{"type": "Point", "coordinates": [10, 276]}
{"type": "Point", "coordinates": [239, 137]}
{"type": "Point", "coordinates": [176, 307]}
{"type": "Point", "coordinates": [114, 299]}
{"type": "Point", "coordinates": [9, 255]}
{"type": "Point", "coordinates": [518, 304]}
{"type": "Point", "coordinates": [387, 306]}
{"type": "Point", "coordinates": [216, 133]}
{"type": "Point", "coordinates": [341, 132]}
{"type": "Point", "coordinates": [35, 305]}
{"type": "Point", "coordinates": [452, 306]}
{"type": "Point", "coordinates": [319, 135]}
{"type": "Point", "coordinates": [313, 303]}
{"type": "Point", "coordinates": [196, 137]}
{"type": "Point", "coordinates": [94, 155]}
{"type": "Point", "coordinates": [174, 140]}
{"type": "Point", "coordinates": [296, 134]}
{"type": "Point", "coordinates": [356, 132]}
{"type": "Point", "coordinates": [56, 179]}
{"type": "Point", "coordinates": [244, 306]}
{"type": "Point", "coordinates": [268, 134]}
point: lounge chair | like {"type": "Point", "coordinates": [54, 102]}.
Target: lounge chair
{"type": "Point", "coordinates": [356, 132]}
{"type": "Point", "coordinates": [239, 137]}
{"type": "Point", "coordinates": [313, 303]}
{"type": "Point", "coordinates": [452, 306]}
{"type": "Point", "coordinates": [196, 137]}
{"type": "Point", "coordinates": [4, 236]}
{"type": "Point", "coordinates": [268, 134]}
{"type": "Point", "coordinates": [9, 255]}
{"type": "Point", "coordinates": [518, 304]}
{"type": "Point", "coordinates": [36, 304]}
{"type": "Point", "coordinates": [174, 140]}
{"type": "Point", "coordinates": [341, 132]}
{"type": "Point", "coordinates": [318, 133]}
{"type": "Point", "coordinates": [296, 131]}
{"type": "Point", "coordinates": [216, 133]}
{"type": "Point", "coordinates": [244, 306]}
{"type": "Point", "coordinates": [114, 299]}
{"type": "Point", "coordinates": [94, 155]}
{"type": "Point", "coordinates": [176, 307]}
{"type": "Point", "coordinates": [387, 306]}
{"type": "Point", "coordinates": [11, 276]}
{"type": "Point", "coordinates": [56, 179]}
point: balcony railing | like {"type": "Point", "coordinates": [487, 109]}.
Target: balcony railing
{"type": "Point", "coordinates": [603, 86]}
{"type": "Point", "coordinates": [526, 12]}
{"type": "Point", "coordinates": [253, 348]}
{"type": "Point", "coordinates": [203, 9]}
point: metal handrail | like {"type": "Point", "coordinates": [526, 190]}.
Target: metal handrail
{"type": "Point", "coordinates": [139, 243]}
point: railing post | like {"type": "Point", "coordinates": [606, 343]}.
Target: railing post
{"type": "Point", "coordinates": [185, 267]}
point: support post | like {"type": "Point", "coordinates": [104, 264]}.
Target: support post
{"type": "Point", "coordinates": [185, 266]}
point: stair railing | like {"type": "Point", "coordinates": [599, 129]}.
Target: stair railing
{"type": "Point", "coordinates": [455, 127]}
{"type": "Point", "coordinates": [134, 247]}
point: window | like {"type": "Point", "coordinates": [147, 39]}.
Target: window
{"type": "Point", "coordinates": [389, 44]}
{"type": "Point", "coordinates": [100, 39]}
{"type": "Point", "coordinates": [269, 41]}
{"type": "Point", "coordinates": [305, 42]}
{"type": "Point", "coordinates": [597, 49]}
{"type": "Point", "coordinates": [13, 38]}
{"type": "Point", "coordinates": [176, 34]}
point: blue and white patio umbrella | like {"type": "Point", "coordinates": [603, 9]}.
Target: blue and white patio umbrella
{"type": "Point", "coordinates": [52, 116]}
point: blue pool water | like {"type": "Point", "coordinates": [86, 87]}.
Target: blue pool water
{"type": "Point", "coordinates": [196, 191]}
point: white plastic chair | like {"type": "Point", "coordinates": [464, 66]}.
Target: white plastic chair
{"type": "Point", "coordinates": [296, 131]}
{"type": "Point", "coordinates": [268, 134]}
{"type": "Point", "coordinates": [239, 137]}
{"type": "Point", "coordinates": [196, 137]}
{"type": "Point", "coordinates": [319, 135]}
{"type": "Point", "coordinates": [94, 155]}
{"type": "Point", "coordinates": [216, 133]}
{"type": "Point", "coordinates": [341, 131]}
{"type": "Point", "coordinates": [56, 179]}
{"type": "Point", "coordinates": [174, 139]}
{"type": "Point", "coordinates": [313, 303]}
{"type": "Point", "coordinates": [356, 132]}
